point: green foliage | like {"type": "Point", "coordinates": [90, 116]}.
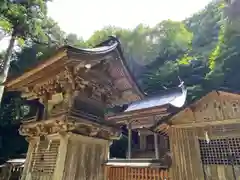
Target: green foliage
{"type": "Point", "coordinates": [27, 22]}
{"type": "Point", "coordinates": [202, 50]}
{"type": "Point", "coordinates": [9, 112]}
{"type": "Point", "coordinates": [217, 50]}
{"type": "Point", "coordinates": [185, 59]}
{"type": "Point", "coordinates": [24, 19]}
{"type": "Point", "coordinates": [118, 148]}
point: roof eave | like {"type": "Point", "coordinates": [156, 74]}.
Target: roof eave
{"type": "Point", "coordinates": [139, 113]}
{"type": "Point", "coordinates": [60, 53]}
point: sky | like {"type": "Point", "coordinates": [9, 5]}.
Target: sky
{"type": "Point", "coordinates": [84, 17]}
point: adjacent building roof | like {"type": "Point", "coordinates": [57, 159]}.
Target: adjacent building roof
{"type": "Point", "coordinates": [175, 97]}
{"type": "Point", "coordinates": [14, 162]}
{"type": "Point", "coordinates": [216, 106]}
{"type": "Point", "coordinates": [146, 112]}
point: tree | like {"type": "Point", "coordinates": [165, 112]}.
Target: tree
{"type": "Point", "coordinates": [202, 50]}
{"type": "Point", "coordinates": [22, 20]}
{"type": "Point", "coordinates": [172, 43]}
{"type": "Point", "coordinates": [74, 40]}
{"type": "Point", "coordinates": [37, 36]}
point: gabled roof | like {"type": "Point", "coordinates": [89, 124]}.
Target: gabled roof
{"type": "Point", "coordinates": [210, 103]}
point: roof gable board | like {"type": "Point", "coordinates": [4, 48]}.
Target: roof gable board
{"type": "Point", "coordinates": [216, 106]}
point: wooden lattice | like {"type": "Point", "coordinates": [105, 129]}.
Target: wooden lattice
{"type": "Point", "coordinates": [136, 173]}
{"type": "Point", "coordinates": [220, 151]}
{"type": "Point", "coordinates": [44, 159]}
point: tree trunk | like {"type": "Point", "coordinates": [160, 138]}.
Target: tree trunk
{"type": "Point", "coordinates": [6, 64]}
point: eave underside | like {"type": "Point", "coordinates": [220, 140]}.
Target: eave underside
{"type": "Point", "coordinates": [141, 118]}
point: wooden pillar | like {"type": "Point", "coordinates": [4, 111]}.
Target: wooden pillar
{"type": "Point", "coordinates": [85, 158]}
{"type": "Point", "coordinates": [142, 139]}
{"type": "Point", "coordinates": [9, 171]}
{"type": "Point", "coordinates": [45, 103]}
{"type": "Point", "coordinates": [27, 165]}
{"type": "Point", "coordinates": [129, 141]}
{"type": "Point", "coordinates": [40, 111]}
{"type": "Point", "coordinates": [156, 145]}
{"type": "Point", "coordinates": [62, 152]}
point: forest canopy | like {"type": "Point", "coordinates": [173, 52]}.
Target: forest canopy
{"type": "Point", "coordinates": [202, 50]}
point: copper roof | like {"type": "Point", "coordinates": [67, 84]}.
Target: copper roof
{"type": "Point", "coordinates": [175, 97]}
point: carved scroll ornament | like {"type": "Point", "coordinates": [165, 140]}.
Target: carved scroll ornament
{"type": "Point", "coordinates": [45, 128]}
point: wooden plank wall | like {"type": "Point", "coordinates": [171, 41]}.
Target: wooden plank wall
{"type": "Point", "coordinates": [186, 159]}
{"type": "Point", "coordinates": [4, 172]}
{"type": "Point", "coordinates": [186, 162]}
{"type": "Point", "coordinates": [219, 171]}
{"type": "Point", "coordinates": [217, 114]}
{"type": "Point", "coordinates": [85, 160]}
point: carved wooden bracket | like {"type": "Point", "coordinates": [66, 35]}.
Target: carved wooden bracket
{"type": "Point", "coordinates": [47, 127]}
{"type": "Point", "coordinates": [94, 131]}
{"type": "Point", "coordinates": [68, 81]}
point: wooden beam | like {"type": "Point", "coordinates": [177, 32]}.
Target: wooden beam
{"type": "Point", "coordinates": [212, 123]}
{"type": "Point", "coordinates": [126, 116]}
{"type": "Point", "coordinates": [129, 140]}
{"type": "Point", "coordinates": [156, 145]}
{"type": "Point", "coordinates": [95, 76]}
{"type": "Point", "coordinates": [60, 54]}
{"type": "Point", "coordinates": [45, 103]}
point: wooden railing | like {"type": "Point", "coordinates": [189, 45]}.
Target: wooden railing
{"type": "Point", "coordinates": [136, 170]}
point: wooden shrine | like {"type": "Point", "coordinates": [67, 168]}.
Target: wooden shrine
{"type": "Point", "coordinates": [65, 101]}
{"type": "Point", "coordinates": [68, 129]}
{"type": "Point", "coordinates": [149, 148]}
{"type": "Point", "coordinates": [205, 138]}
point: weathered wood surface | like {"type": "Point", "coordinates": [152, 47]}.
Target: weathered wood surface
{"type": "Point", "coordinates": [146, 146]}
{"type": "Point", "coordinates": [107, 76]}
{"type": "Point", "coordinates": [186, 158]}
{"type": "Point", "coordinates": [215, 108]}
{"type": "Point", "coordinates": [41, 163]}
{"type": "Point", "coordinates": [85, 159]}
{"type": "Point", "coordinates": [136, 173]}
{"type": "Point", "coordinates": [186, 162]}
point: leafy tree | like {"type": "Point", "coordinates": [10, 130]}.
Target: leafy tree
{"type": "Point", "coordinates": [27, 23]}
{"type": "Point", "coordinates": [23, 21]}
{"type": "Point", "coordinates": [202, 50]}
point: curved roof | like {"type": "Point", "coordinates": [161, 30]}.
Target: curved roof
{"type": "Point", "coordinates": [71, 55]}
{"type": "Point", "coordinates": [175, 97]}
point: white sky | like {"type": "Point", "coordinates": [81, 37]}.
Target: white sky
{"type": "Point", "coordinates": [83, 17]}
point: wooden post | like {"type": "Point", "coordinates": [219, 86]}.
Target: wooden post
{"type": "Point", "coordinates": [156, 145]}
{"type": "Point", "coordinates": [9, 172]}
{"type": "Point", "coordinates": [45, 103]}
{"type": "Point", "coordinates": [129, 140]}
